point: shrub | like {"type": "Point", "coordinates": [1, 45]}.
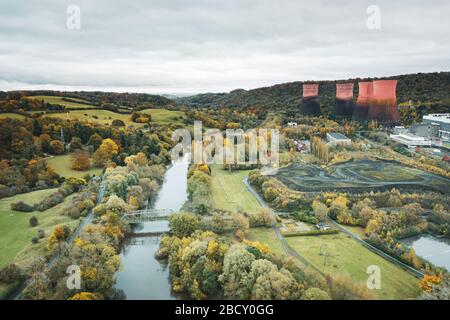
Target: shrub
{"type": "Point", "coordinates": [10, 274]}
{"type": "Point", "coordinates": [304, 217]}
{"type": "Point", "coordinates": [315, 294]}
{"type": "Point", "coordinates": [51, 201]}
{"type": "Point", "coordinates": [41, 234]}
{"type": "Point", "coordinates": [33, 221]}
{"type": "Point", "coordinates": [74, 213]}
{"type": "Point", "coordinates": [21, 206]}
{"type": "Point", "coordinates": [100, 210]}
{"type": "Point", "coordinates": [240, 222]}
{"type": "Point", "coordinates": [34, 240]}
{"type": "Point", "coordinates": [118, 123]}
{"type": "Point", "coordinates": [66, 190]}
{"type": "Point", "coordinates": [5, 191]}
{"type": "Point", "coordinates": [88, 204]}
{"type": "Point", "coordinates": [75, 183]}
{"type": "Point", "coordinates": [263, 218]}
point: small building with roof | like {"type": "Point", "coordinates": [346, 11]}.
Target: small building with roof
{"type": "Point", "coordinates": [338, 138]}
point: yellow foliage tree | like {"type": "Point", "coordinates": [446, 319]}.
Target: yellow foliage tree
{"type": "Point", "coordinates": [428, 281]}
{"type": "Point", "coordinates": [86, 296]}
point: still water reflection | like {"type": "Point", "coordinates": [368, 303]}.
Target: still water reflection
{"type": "Point", "coordinates": [142, 276]}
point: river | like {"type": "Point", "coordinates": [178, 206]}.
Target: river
{"type": "Point", "coordinates": [435, 250]}
{"type": "Point", "coordinates": [142, 276]}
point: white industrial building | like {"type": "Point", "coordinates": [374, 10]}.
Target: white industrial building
{"type": "Point", "coordinates": [410, 140]}
{"type": "Point", "coordinates": [442, 122]}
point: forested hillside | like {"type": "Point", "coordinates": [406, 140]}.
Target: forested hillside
{"type": "Point", "coordinates": [430, 92]}
{"type": "Point", "coordinates": [9, 101]}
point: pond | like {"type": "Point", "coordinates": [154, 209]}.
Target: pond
{"type": "Point", "coordinates": [435, 250]}
{"type": "Point", "coordinates": [142, 276]}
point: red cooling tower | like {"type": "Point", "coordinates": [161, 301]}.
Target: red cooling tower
{"type": "Point", "coordinates": [362, 104]}
{"type": "Point", "coordinates": [383, 103]}
{"type": "Point", "coordinates": [310, 105]}
{"type": "Point", "coordinates": [365, 93]}
{"type": "Point", "coordinates": [310, 90]}
{"type": "Point", "coordinates": [343, 106]}
{"type": "Point", "coordinates": [344, 91]}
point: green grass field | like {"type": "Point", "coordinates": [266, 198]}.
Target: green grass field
{"type": "Point", "coordinates": [68, 104]}
{"type": "Point", "coordinates": [356, 230]}
{"type": "Point", "coordinates": [11, 116]}
{"type": "Point", "coordinates": [61, 164]}
{"type": "Point", "coordinates": [230, 193]}
{"type": "Point", "coordinates": [164, 116]}
{"type": "Point", "coordinates": [103, 117]}
{"type": "Point", "coordinates": [348, 256]}
{"type": "Point", "coordinates": [266, 236]}
{"type": "Point", "coordinates": [16, 233]}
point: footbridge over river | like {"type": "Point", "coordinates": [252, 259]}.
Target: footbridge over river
{"type": "Point", "coordinates": [145, 215]}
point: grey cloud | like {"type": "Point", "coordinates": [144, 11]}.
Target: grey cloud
{"type": "Point", "coordinates": [196, 46]}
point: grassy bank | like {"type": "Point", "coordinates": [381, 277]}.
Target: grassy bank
{"type": "Point", "coordinates": [11, 116]}
{"type": "Point", "coordinates": [164, 116]}
{"type": "Point", "coordinates": [68, 104]}
{"type": "Point", "coordinates": [16, 233]}
{"type": "Point", "coordinates": [105, 117]}
{"type": "Point", "coordinates": [230, 193]}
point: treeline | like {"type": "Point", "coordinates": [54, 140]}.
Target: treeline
{"type": "Point", "coordinates": [428, 91]}
{"type": "Point", "coordinates": [205, 265]}
{"type": "Point", "coordinates": [96, 98]}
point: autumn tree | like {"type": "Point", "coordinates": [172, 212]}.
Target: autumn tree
{"type": "Point", "coordinates": [44, 141]}
{"type": "Point", "coordinates": [428, 281]}
{"type": "Point", "coordinates": [240, 222]}
{"type": "Point", "coordinates": [315, 294]}
{"type": "Point", "coordinates": [95, 141]}
{"type": "Point", "coordinates": [75, 144]}
{"type": "Point", "coordinates": [320, 149]}
{"type": "Point", "coordinates": [60, 234]}
{"type": "Point", "coordinates": [320, 210]}
{"type": "Point", "coordinates": [86, 296]}
{"type": "Point", "coordinates": [262, 218]}
{"type": "Point", "coordinates": [183, 224]}
{"type": "Point", "coordinates": [56, 147]}
{"type": "Point", "coordinates": [80, 161]}
{"type": "Point", "coordinates": [105, 152]}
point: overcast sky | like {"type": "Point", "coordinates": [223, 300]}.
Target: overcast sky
{"type": "Point", "coordinates": [191, 46]}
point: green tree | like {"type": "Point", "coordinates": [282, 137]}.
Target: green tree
{"type": "Point", "coordinates": [315, 294]}
{"type": "Point", "coordinates": [183, 224]}
{"type": "Point", "coordinates": [320, 210]}
{"type": "Point", "coordinates": [75, 144]}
